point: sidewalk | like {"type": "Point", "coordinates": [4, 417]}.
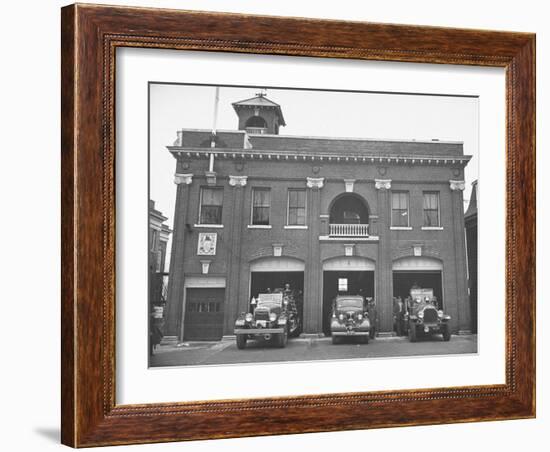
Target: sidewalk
{"type": "Point", "coordinates": [307, 349]}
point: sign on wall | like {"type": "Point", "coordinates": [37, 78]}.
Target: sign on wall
{"type": "Point", "coordinates": [207, 244]}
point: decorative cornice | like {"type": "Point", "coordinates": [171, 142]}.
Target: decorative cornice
{"type": "Point", "coordinates": [312, 156]}
{"type": "Point", "coordinates": [382, 184]}
{"type": "Point", "coordinates": [457, 185]}
{"type": "Point", "coordinates": [238, 181]}
{"type": "Point", "coordinates": [183, 179]}
{"type": "Point", "coordinates": [315, 182]}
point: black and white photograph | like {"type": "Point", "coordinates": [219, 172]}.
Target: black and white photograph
{"type": "Point", "coordinates": [292, 225]}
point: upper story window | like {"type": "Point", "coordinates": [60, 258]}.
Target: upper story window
{"type": "Point", "coordinates": [349, 208]}
{"type": "Point", "coordinates": [211, 203]}
{"type": "Point", "coordinates": [431, 209]}
{"type": "Point", "coordinates": [296, 207]}
{"type": "Point", "coordinates": [261, 204]}
{"type": "Point", "coordinates": [256, 121]}
{"type": "Point", "coordinates": [400, 209]}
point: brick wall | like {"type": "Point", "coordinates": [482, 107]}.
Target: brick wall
{"type": "Point", "coordinates": [238, 245]}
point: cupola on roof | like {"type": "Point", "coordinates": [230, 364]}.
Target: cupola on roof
{"type": "Point", "coordinates": [259, 115]}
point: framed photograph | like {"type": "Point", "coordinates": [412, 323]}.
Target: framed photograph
{"type": "Point", "coordinates": [283, 225]}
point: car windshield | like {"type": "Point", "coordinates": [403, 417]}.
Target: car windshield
{"type": "Point", "coordinates": [349, 303]}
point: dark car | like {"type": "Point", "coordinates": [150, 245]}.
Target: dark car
{"type": "Point", "coordinates": [350, 318]}
{"type": "Point", "coordinates": [424, 317]}
{"type": "Point", "coordinates": [274, 318]}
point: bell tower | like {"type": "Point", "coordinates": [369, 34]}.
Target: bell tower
{"type": "Point", "coordinates": [259, 115]}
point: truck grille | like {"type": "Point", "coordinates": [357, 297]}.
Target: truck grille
{"type": "Point", "coordinates": [430, 315]}
{"type": "Point", "coordinates": [261, 315]}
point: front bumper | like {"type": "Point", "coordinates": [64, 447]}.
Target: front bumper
{"type": "Point", "coordinates": [350, 333]}
{"type": "Point", "coordinates": [258, 331]}
{"type": "Point", "coordinates": [431, 327]}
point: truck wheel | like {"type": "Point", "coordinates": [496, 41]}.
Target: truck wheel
{"type": "Point", "coordinates": [447, 333]}
{"type": "Point", "coordinates": [282, 339]}
{"type": "Point", "coordinates": [241, 341]}
{"type": "Point", "coordinates": [412, 333]}
{"type": "Point", "coordinates": [372, 333]}
{"type": "Point", "coordinates": [335, 340]}
{"type": "Point", "coordinates": [365, 339]}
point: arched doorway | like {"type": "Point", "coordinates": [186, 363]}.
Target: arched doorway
{"type": "Point", "coordinates": [270, 273]}
{"type": "Point", "coordinates": [345, 275]}
{"type": "Point", "coordinates": [420, 271]}
{"type": "Point", "coordinates": [348, 216]}
{"type": "Point", "coordinates": [271, 264]}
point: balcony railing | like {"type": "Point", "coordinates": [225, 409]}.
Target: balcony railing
{"type": "Point", "coordinates": [348, 230]}
{"type": "Point", "coordinates": [256, 130]}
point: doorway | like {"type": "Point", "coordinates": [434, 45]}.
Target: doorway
{"type": "Point", "coordinates": [404, 280]}
{"type": "Point", "coordinates": [344, 283]}
{"type": "Point", "coordinates": [204, 310]}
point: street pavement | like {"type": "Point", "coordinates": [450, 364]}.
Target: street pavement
{"type": "Point", "coordinates": [306, 349]}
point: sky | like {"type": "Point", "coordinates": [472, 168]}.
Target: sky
{"type": "Point", "coordinates": [313, 113]}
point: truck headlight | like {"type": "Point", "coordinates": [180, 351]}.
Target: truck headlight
{"type": "Point", "coordinates": [440, 313]}
{"type": "Point", "coordinates": [272, 317]}
{"type": "Point", "coordinates": [249, 317]}
{"type": "Point", "coordinates": [359, 316]}
{"type": "Point", "coordinates": [421, 315]}
{"type": "Point", "coordinates": [341, 316]}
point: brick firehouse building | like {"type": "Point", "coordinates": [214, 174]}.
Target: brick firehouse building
{"type": "Point", "coordinates": [256, 209]}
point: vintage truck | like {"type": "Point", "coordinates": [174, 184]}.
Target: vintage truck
{"type": "Point", "coordinates": [424, 317]}
{"type": "Point", "coordinates": [350, 318]}
{"type": "Point", "coordinates": [271, 317]}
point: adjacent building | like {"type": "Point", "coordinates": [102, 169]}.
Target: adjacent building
{"type": "Point", "coordinates": [256, 209]}
{"type": "Point", "coordinates": [470, 222]}
{"type": "Point", "coordinates": [159, 236]}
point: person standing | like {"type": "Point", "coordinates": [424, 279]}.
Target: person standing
{"type": "Point", "coordinates": [253, 303]}
{"type": "Point", "coordinates": [398, 315]}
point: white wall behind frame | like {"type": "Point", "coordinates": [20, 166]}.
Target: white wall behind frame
{"type": "Point", "coordinates": [30, 106]}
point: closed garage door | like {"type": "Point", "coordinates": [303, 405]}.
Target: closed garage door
{"type": "Point", "coordinates": [204, 314]}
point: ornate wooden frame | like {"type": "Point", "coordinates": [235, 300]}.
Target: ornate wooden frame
{"type": "Point", "coordinates": [90, 35]}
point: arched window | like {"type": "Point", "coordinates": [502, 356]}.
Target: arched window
{"type": "Point", "coordinates": [349, 209]}
{"type": "Point", "coordinates": [256, 122]}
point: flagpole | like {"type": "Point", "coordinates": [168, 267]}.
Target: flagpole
{"type": "Point", "coordinates": [214, 125]}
